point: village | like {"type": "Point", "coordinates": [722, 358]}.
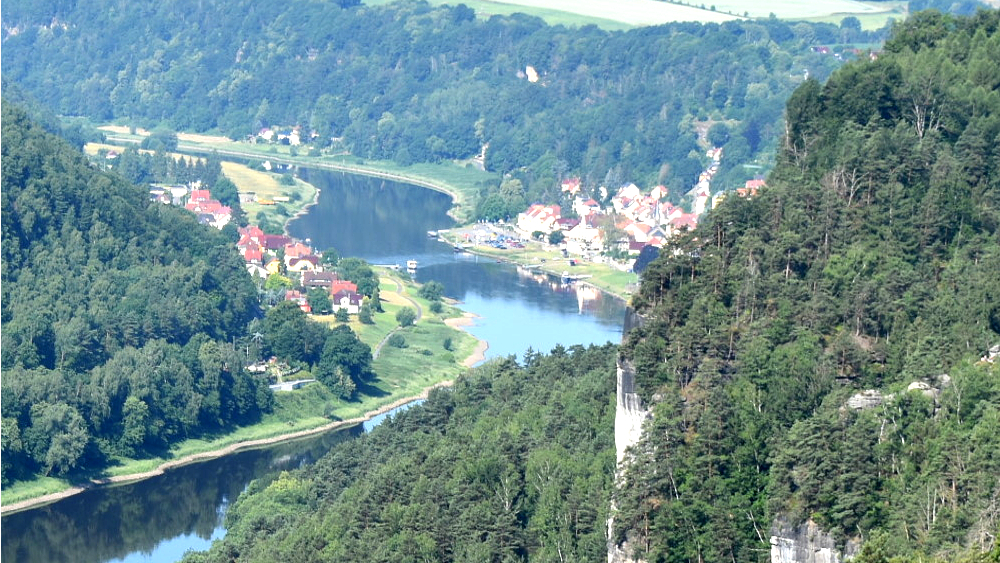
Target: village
{"type": "Point", "coordinates": [284, 268]}
{"type": "Point", "coordinates": [617, 233]}
{"type": "Point", "coordinates": [613, 235]}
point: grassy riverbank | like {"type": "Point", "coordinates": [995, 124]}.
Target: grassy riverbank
{"type": "Point", "coordinates": [402, 374]}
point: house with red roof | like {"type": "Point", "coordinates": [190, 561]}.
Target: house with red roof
{"type": "Point", "coordinates": [297, 250]}
{"type": "Point", "coordinates": [340, 285]}
{"type": "Point", "coordinates": [253, 253]}
{"type": "Point", "coordinates": [750, 188]}
{"type": "Point", "coordinates": [571, 185]}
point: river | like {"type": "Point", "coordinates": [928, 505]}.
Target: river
{"type": "Point", "coordinates": [384, 222]}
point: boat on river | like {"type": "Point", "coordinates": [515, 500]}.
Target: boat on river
{"type": "Point", "coordinates": [411, 264]}
{"type": "Point", "coordinates": [432, 234]}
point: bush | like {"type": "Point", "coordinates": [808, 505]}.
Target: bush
{"type": "Point", "coordinates": [365, 315]}
{"type": "Point", "coordinates": [406, 316]}
{"type": "Point", "coordinates": [436, 307]}
{"type": "Point", "coordinates": [396, 341]}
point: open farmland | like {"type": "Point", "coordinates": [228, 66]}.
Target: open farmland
{"type": "Point", "coordinates": [801, 9]}
{"type": "Point", "coordinates": [632, 12]}
{"type": "Point", "coordinates": [624, 14]}
{"type": "Point", "coordinates": [606, 14]}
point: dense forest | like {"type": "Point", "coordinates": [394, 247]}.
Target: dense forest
{"type": "Point", "coordinates": [415, 83]}
{"type": "Point", "coordinates": [514, 461]}
{"type": "Point", "coordinates": [870, 262]}
{"type": "Point", "coordinates": [126, 325]}
{"type": "Point", "coordinates": [118, 316]}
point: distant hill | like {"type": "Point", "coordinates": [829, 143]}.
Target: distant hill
{"type": "Point", "coordinates": [415, 83]}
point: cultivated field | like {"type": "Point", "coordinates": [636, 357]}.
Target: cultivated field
{"type": "Point", "coordinates": [625, 14]}
{"type": "Point", "coordinates": [632, 12]}
{"type": "Point", "coordinates": [798, 9]}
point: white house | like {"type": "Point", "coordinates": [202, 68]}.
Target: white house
{"type": "Point", "coordinates": [539, 218]}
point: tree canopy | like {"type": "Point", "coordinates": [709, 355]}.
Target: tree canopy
{"type": "Point", "coordinates": [118, 314]}
{"type": "Point", "coordinates": [868, 262]}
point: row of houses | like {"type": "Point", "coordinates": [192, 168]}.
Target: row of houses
{"type": "Point", "coordinates": [267, 255]}
{"type": "Point", "coordinates": [197, 200]}
{"type": "Point", "coordinates": [644, 218]}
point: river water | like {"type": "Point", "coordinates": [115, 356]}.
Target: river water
{"type": "Point", "coordinates": [384, 222]}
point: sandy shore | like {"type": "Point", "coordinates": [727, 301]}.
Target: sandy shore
{"type": "Point", "coordinates": [479, 354]}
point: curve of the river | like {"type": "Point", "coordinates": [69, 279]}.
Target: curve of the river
{"type": "Point", "coordinates": [384, 222]}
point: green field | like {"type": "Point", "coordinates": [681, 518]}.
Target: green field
{"type": "Point", "coordinates": [627, 14]}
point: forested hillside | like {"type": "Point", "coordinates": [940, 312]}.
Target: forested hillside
{"type": "Point", "coordinates": [415, 83]}
{"type": "Point", "coordinates": [119, 315]}
{"type": "Point", "coordinates": [871, 261]}
{"type": "Point", "coordinates": [513, 462]}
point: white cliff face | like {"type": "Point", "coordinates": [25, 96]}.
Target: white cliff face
{"type": "Point", "coordinates": [629, 417]}
{"type": "Point", "coordinates": [629, 413]}
{"type": "Point", "coordinates": [807, 543]}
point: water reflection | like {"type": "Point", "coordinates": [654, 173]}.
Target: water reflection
{"type": "Point", "coordinates": [517, 309]}
{"type": "Point", "coordinates": [153, 520]}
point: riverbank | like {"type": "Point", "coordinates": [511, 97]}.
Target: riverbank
{"type": "Point", "coordinates": [460, 180]}
{"type": "Point", "coordinates": [543, 258]}
{"type": "Point", "coordinates": [220, 452]}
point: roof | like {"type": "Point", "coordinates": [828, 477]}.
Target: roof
{"type": "Point", "coordinates": [200, 196]}
{"type": "Point", "coordinates": [340, 285]}
{"type": "Point", "coordinates": [319, 279]}
{"type": "Point", "coordinates": [297, 249]}
{"type": "Point", "coordinates": [274, 242]}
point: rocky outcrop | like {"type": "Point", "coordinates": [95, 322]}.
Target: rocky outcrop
{"type": "Point", "coordinates": [930, 387]}
{"type": "Point", "coordinates": [807, 543]}
{"type": "Point", "coordinates": [630, 414]}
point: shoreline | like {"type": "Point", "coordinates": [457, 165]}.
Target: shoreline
{"type": "Point", "coordinates": [219, 452]}
{"type": "Point", "coordinates": [305, 208]}
{"type": "Point", "coordinates": [477, 356]}
{"type": "Point", "coordinates": [479, 353]}
{"type": "Point", "coordinates": [455, 195]}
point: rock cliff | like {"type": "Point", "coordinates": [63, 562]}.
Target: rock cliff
{"type": "Point", "coordinates": [806, 543]}
{"type": "Point", "coordinates": [630, 414]}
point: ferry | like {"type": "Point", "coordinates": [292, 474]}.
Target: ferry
{"type": "Point", "coordinates": [432, 234]}
{"type": "Point", "coordinates": [411, 264]}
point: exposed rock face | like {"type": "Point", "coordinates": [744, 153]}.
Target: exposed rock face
{"type": "Point", "coordinates": [867, 399]}
{"type": "Point", "coordinates": [629, 417]}
{"type": "Point", "coordinates": [807, 543]}
{"type": "Point", "coordinates": [629, 413]}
